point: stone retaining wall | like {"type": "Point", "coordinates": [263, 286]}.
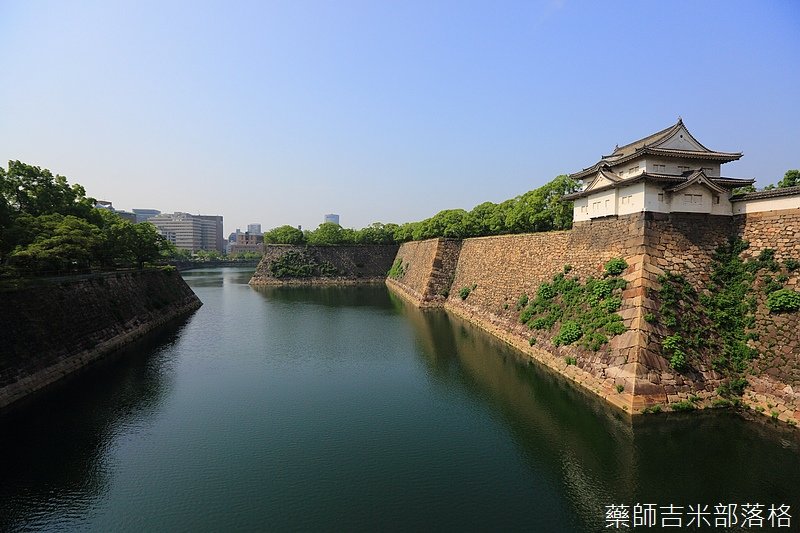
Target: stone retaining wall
{"type": "Point", "coordinates": [353, 264]}
{"type": "Point", "coordinates": [427, 270]}
{"type": "Point", "coordinates": [498, 270]}
{"type": "Point", "coordinates": [53, 329]}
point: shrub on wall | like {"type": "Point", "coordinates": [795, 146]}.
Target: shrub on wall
{"type": "Point", "coordinates": [616, 266]}
{"type": "Point", "coordinates": [783, 301]}
{"type": "Point", "coordinates": [295, 264]}
{"type": "Point", "coordinates": [587, 312]}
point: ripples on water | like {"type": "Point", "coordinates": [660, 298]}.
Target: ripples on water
{"type": "Point", "coordinates": [327, 408]}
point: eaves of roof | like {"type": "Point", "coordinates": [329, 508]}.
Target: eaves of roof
{"type": "Point", "coordinates": [772, 193]}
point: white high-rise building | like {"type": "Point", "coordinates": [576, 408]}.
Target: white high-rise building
{"type": "Point", "coordinates": [332, 218]}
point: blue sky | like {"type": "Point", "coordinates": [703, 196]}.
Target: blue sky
{"type": "Point", "coordinates": [279, 112]}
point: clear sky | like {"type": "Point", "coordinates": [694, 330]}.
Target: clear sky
{"type": "Point", "coordinates": [280, 112]}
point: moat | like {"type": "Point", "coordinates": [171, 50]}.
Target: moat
{"type": "Point", "coordinates": [345, 408]}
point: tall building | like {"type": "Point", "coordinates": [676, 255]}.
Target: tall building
{"type": "Point", "coordinates": [254, 229]}
{"type": "Point", "coordinates": [191, 232]}
{"type": "Point", "coordinates": [145, 214]}
{"type": "Point", "coordinates": [332, 218]}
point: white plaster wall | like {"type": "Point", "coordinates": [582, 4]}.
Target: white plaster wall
{"type": "Point", "coordinates": [767, 204]}
{"type": "Point", "coordinates": [679, 200]}
{"type": "Point", "coordinates": [671, 165]}
{"type": "Point", "coordinates": [603, 204]}
{"type": "Point", "coordinates": [724, 207]}
{"type": "Point", "coordinates": [580, 211]}
{"type": "Point", "coordinates": [635, 203]}
{"type": "Point", "coordinates": [651, 203]}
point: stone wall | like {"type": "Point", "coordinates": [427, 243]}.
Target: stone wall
{"type": "Point", "coordinates": [427, 270]}
{"type": "Point", "coordinates": [52, 329]}
{"type": "Point", "coordinates": [501, 269]}
{"type": "Point", "coordinates": [352, 264]}
{"type": "Point", "coordinates": [775, 385]}
{"type": "Point", "coordinates": [498, 270]}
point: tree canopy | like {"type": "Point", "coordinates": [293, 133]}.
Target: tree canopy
{"type": "Point", "coordinates": [48, 225]}
{"type": "Point", "coordinates": [541, 209]}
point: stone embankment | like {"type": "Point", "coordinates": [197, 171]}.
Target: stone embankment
{"type": "Point", "coordinates": [51, 330]}
{"type": "Point", "coordinates": [631, 371]}
{"type": "Point", "coordinates": [324, 264]}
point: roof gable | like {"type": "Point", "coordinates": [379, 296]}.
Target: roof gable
{"type": "Point", "coordinates": [698, 178]}
{"type": "Point", "coordinates": [680, 139]}
{"type": "Point", "coordinates": [601, 179]}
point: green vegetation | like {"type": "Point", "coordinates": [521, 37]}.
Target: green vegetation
{"type": "Point", "coordinates": [683, 405]}
{"type": "Point", "coordinates": [570, 332]}
{"type": "Point", "coordinates": [465, 291]}
{"type": "Point", "coordinates": [620, 388]}
{"type": "Point", "coordinates": [783, 301]}
{"type": "Point", "coordinates": [571, 361]}
{"type": "Point", "coordinates": [50, 227]}
{"type": "Point", "coordinates": [538, 210]}
{"type": "Point", "coordinates": [532, 341]}
{"type": "Point", "coordinates": [721, 320]}
{"type": "Point", "coordinates": [790, 179]}
{"type": "Point", "coordinates": [586, 311]}
{"type": "Point", "coordinates": [615, 266]}
{"type": "Point", "coordinates": [295, 264]}
{"type": "Point", "coordinates": [398, 270]}
{"type": "Point", "coordinates": [284, 235]}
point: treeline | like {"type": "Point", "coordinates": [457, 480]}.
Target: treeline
{"type": "Point", "coordinates": [50, 226]}
{"type": "Point", "coordinates": [790, 179]}
{"type": "Point", "coordinates": [538, 210]}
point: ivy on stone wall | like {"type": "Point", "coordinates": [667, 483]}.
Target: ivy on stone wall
{"type": "Point", "coordinates": [585, 313]}
{"type": "Point", "coordinates": [297, 264]}
{"type": "Point", "coordinates": [720, 321]}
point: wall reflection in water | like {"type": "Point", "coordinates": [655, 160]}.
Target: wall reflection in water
{"type": "Point", "coordinates": [599, 455]}
{"type": "Point", "coordinates": [54, 446]}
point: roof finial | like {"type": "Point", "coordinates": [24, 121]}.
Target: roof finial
{"type": "Point", "coordinates": [680, 120]}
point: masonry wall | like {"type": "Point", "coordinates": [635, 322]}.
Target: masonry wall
{"type": "Point", "coordinates": [428, 268]}
{"type": "Point", "coordinates": [502, 268]}
{"type": "Point", "coordinates": [53, 329]}
{"type": "Point", "coordinates": [776, 381]}
{"type": "Point", "coordinates": [498, 270]}
{"type": "Point", "coordinates": [353, 264]}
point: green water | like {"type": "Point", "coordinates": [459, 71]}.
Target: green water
{"type": "Point", "coordinates": [346, 409]}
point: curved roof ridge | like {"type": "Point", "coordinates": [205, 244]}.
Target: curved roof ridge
{"type": "Point", "coordinates": [653, 138]}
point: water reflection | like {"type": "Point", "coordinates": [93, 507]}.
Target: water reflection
{"type": "Point", "coordinates": [594, 452]}
{"type": "Point", "coordinates": [55, 445]}
{"type": "Point", "coordinates": [351, 296]}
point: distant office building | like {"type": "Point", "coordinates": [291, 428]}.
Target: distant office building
{"type": "Point", "coordinates": [125, 215]}
{"type": "Point", "coordinates": [254, 229]}
{"type": "Point", "coordinates": [145, 214]}
{"type": "Point", "coordinates": [246, 242]}
{"type": "Point", "coordinates": [332, 218]}
{"type": "Point", "coordinates": [191, 232]}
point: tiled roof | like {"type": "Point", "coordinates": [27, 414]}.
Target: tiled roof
{"type": "Point", "coordinates": [650, 146]}
{"type": "Point", "coordinates": [772, 193]}
{"type": "Point", "coordinates": [666, 179]}
{"type": "Point", "coordinates": [630, 148]}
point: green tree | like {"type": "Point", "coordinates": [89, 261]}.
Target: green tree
{"type": "Point", "coordinates": [65, 243]}
{"type": "Point", "coordinates": [36, 191]}
{"type": "Point", "coordinates": [376, 233]}
{"type": "Point", "coordinates": [284, 235]}
{"type": "Point", "coordinates": [329, 233]}
{"type": "Point", "coordinates": [790, 179]}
